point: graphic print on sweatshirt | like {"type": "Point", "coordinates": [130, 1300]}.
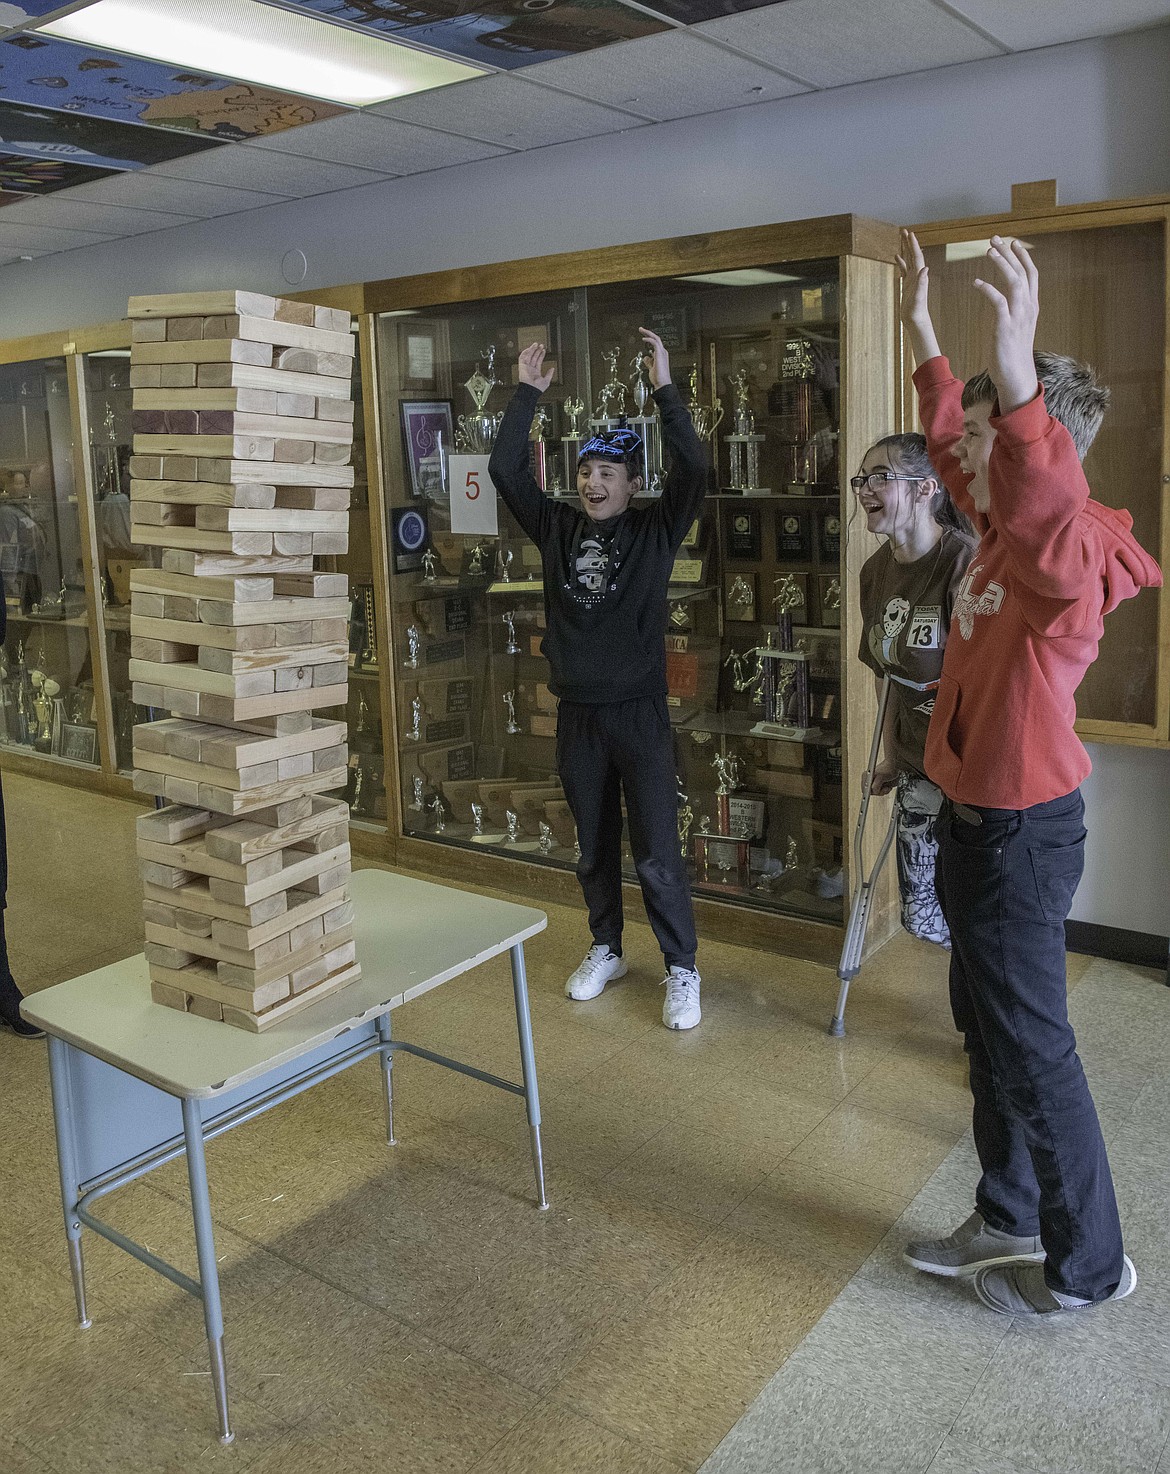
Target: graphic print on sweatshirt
{"type": "Point", "coordinates": [592, 568]}
{"type": "Point", "coordinates": [968, 604]}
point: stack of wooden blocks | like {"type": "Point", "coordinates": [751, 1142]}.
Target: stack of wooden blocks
{"type": "Point", "coordinates": [243, 432]}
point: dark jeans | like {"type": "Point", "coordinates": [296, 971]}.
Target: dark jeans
{"type": "Point", "coordinates": [603, 751]}
{"type": "Point", "coordinates": [1006, 887]}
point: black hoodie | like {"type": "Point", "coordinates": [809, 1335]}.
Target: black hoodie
{"type": "Point", "coordinates": [605, 582]}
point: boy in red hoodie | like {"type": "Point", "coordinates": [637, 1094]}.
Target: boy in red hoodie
{"type": "Point", "coordinates": [1045, 1236]}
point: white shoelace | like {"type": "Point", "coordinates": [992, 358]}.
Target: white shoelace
{"type": "Point", "coordinates": [595, 960]}
{"type": "Point", "coordinates": [680, 988]}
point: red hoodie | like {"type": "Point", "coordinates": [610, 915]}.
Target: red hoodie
{"type": "Point", "coordinates": [1050, 564]}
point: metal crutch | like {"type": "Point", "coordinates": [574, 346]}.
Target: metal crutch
{"type": "Point", "coordinates": [850, 963]}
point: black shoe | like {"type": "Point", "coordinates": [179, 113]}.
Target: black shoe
{"type": "Point", "coordinates": [10, 1001]}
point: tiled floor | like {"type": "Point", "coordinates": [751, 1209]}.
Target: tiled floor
{"type": "Point", "coordinates": [724, 1230]}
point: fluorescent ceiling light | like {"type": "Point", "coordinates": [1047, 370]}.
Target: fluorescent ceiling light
{"type": "Point", "coordinates": [748, 276]}
{"type": "Point", "coordinates": [968, 250]}
{"type": "Point", "coordinates": [281, 49]}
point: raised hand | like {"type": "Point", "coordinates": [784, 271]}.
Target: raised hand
{"type": "Point", "coordinates": [531, 362]}
{"type": "Point", "coordinates": [915, 307]}
{"type": "Point", "coordinates": [659, 365]}
{"type": "Point", "coordinates": [1016, 304]}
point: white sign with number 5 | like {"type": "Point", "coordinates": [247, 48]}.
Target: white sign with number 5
{"type": "Point", "coordinates": [473, 497]}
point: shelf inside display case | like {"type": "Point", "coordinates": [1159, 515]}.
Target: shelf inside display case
{"type": "Point", "coordinates": [759, 369]}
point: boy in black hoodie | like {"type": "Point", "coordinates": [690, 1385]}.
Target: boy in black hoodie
{"type": "Point", "coordinates": [607, 567]}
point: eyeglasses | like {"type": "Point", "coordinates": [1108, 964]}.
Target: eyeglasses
{"type": "Point", "coordinates": [877, 479]}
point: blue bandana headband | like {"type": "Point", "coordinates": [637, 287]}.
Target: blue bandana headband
{"type": "Point", "coordinates": [611, 445]}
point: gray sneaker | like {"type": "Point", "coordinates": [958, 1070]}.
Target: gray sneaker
{"type": "Point", "coordinates": [1020, 1289]}
{"type": "Point", "coordinates": [971, 1247]}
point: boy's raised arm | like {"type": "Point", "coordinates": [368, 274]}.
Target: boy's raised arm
{"type": "Point", "coordinates": [686, 482]}
{"type": "Point", "coordinates": [509, 467]}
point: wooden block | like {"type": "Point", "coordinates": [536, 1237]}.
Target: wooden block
{"type": "Point", "coordinates": [243, 708]}
{"type": "Point", "coordinates": [325, 454]}
{"type": "Point", "coordinates": [331, 675]}
{"type": "Point", "coordinates": [146, 376]}
{"type": "Point", "coordinates": [266, 610]}
{"type": "Point", "coordinates": [326, 838]}
{"type": "Point", "coordinates": [195, 678]}
{"type": "Point", "coordinates": [295, 452]}
{"type": "Point", "coordinates": [299, 312]}
{"type": "Point", "coordinates": [169, 997]}
{"type": "Point", "coordinates": [314, 498]}
{"type": "Point", "coordinates": [191, 855]}
{"type": "Point", "coordinates": [248, 589]}
{"type": "Point", "coordinates": [327, 544]}
{"type": "Point", "coordinates": [337, 318]}
{"type": "Point", "coordinates": [294, 678]}
{"type": "Point", "coordinates": [255, 401]}
{"type": "Point", "coordinates": [164, 421]}
{"type": "Point", "coordinates": [216, 468]}
{"type": "Point", "coordinates": [312, 930]}
{"type": "Point", "coordinates": [200, 980]}
{"type": "Point", "coordinates": [282, 724]}
{"type": "Point", "coordinates": [184, 329]}
{"type": "Point", "coordinates": [246, 544]}
{"type": "Point", "coordinates": [146, 606]}
{"type": "Point", "coordinates": [306, 361]}
{"type": "Point", "coordinates": [198, 564]}
{"type": "Point", "coordinates": [170, 826]}
{"type": "Point", "coordinates": [179, 606]}
{"type": "Point", "coordinates": [326, 880]}
{"type": "Point", "coordinates": [240, 803]}
{"type": "Point", "coordinates": [302, 405]}
{"type": "Point", "coordinates": [187, 921]}
{"type": "Point", "coordinates": [200, 304]}
{"type": "Point", "coordinates": [275, 657]}
{"type": "Point", "coordinates": [270, 1017]}
{"type": "Point", "coordinates": [244, 938]}
{"type": "Point", "coordinates": [293, 542]}
{"type": "Point", "coordinates": [227, 637]}
{"type": "Point", "coordinates": [163, 652]}
{"type": "Point", "coordinates": [233, 447]}
{"type": "Point", "coordinates": [266, 955]}
{"type": "Point", "coordinates": [262, 428]}
{"type": "Point", "coordinates": [274, 519]}
{"type": "Point", "coordinates": [195, 899]}
{"type": "Point", "coordinates": [328, 631]}
{"type": "Point", "coordinates": [334, 409]}
{"type": "Point", "coordinates": [299, 765]}
{"type": "Point", "coordinates": [217, 350]}
{"type": "Point", "coordinates": [234, 974]}
{"type": "Point", "coordinates": [248, 839]}
{"type": "Point", "coordinates": [148, 332]}
{"type": "Point", "coordinates": [320, 341]}
{"type": "Point", "coordinates": [150, 783]}
{"type": "Point", "coordinates": [292, 869]}
{"type": "Point", "coordinates": [244, 374]}
{"type": "Point", "coordinates": [176, 375]}
{"type": "Point", "coordinates": [160, 955]}
{"type": "Point", "coordinates": [162, 875]}
{"type": "Point", "coordinates": [330, 757]}
{"type": "Point", "coordinates": [257, 775]}
{"type": "Point", "coordinates": [200, 493]}
{"type": "Point", "coordinates": [161, 514]}
{"type": "Point", "coordinates": [204, 1007]}
{"type": "Point", "coordinates": [164, 468]}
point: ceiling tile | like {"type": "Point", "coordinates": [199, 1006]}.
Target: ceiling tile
{"type": "Point", "coordinates": [25, 177]}
{"type": "Point", "coordinates": [69, 213]}
{"type": "Point", "coordinates": [509, 111]}
{"type": "Point", "coordinates": [1022, 24]}
{"type": "Point", "coordinates": [45, 72]}
{"type": "Point", "coordinates": [41, 132]}
{"type": "Point", "coordinates": [244, 167]}
{"type": "Point", "coordinates": [44, 237]}
{"type": "Point", "coordinates": [380, 143]}
{"type": "Point", "coordinates": [149, 191]}
{"type": "Point", "coordinates": [644, 76]}
{"type": "Point", "coordinates": [494, 33]}
{"type": "Point", "coordinates": [830, 43]}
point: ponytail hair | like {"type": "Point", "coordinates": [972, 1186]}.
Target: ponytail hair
{"type": "Point", "coordinates": [907, 455]}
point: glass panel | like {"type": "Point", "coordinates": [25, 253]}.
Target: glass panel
{"type": "Point", "coordinates": [1102, 300]}
{"type": "Point", "coordinates": [46, 676]}
{"type": "Point", "coordinates": [757, 355]}
{"type": "Point", "coordinates": [108, 409]}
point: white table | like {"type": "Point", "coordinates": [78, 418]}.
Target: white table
{"type": "Point", "coordinates": [136, 1085]}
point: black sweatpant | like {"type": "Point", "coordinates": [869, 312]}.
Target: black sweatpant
{"type": "Point", "coordinates": [603, 751]}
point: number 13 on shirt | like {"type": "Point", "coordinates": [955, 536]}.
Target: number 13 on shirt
{"type": "Point", "coordinates": [473, 497]}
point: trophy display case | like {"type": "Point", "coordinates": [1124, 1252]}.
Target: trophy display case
{"type": "Point", "coordinates": [754, 618]}
{"type": "Point", "coordinates": [48, 694]}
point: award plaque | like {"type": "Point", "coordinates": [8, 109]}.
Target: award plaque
{"type": "Point", "coordinates": [741, 597]}
{"type": "Point", "coordinates": [830, 535]}
{"type": "Point", "coordinates": [722, 860]}
{"type": "Point", "coordinates": [793, 538]}
{"type": "Point", "coordinates": [743, 535]}
{"type": "Point", "coordinates": [830, 591]}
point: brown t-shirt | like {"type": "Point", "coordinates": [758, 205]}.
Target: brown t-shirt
{"type": "Point", "coordinates": [905, 618]}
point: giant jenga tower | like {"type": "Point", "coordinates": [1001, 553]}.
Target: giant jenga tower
{"type": "Point", "coordinates": [243, 432]}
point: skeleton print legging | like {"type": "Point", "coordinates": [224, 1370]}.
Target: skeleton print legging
{"type": "Point", "coordinates": [919, 802]}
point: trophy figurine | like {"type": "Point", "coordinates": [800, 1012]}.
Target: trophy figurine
{"type": "Point", "coordinates": [509, 621]}
{"type": "Point", "coordinates": [741, 598]}
{"type": "Point", "coordinates": [413, 641]}
{"type": "Point", "coordinates": [512, 819]}
{"type": "Point", "coordinates": [540, 423]}
{"type": "Point", "coordinates": [640, 383]}
{"type": "Point", "coordinates": [428, 564]}
{"type": "Point", "coordinates": [741, 678]}
{"type": "Point", "coordinates": [686, 817]}
{"type": "Point", "coordinates": [791, 856]}
{"type": "Point", "coordinates": [784, 673]}
{"type": "Point", "coordinates": [576, 845]}
{"type": "Point", "coordinates": [475, 562]}
{"type": "Point", "coordinates": [743, 444]}
{"type": "Point", "coordinates": [727, 771]}
{"type": "Point", "coordinates": [504, 563]}
{"type": "Point", "coordinates": [790, 399]}
{"type": "Point", "coordinates": [436, 808]}
{"type": "Point", "coordinates": [611, 402]}
{"type": "Point", "coordinates": [788, 597]}
{"type": "Point", "coordinates": [510, 726]}
{"type": "Point", "coordinates": [704, 417]}
{"type": "Point", "coordinates": [546, 839]}
{"type": "Point", "coordinates": [477, 819]}
{"type": "Point", "coordinates": [416, 791]}
{"type": "Point", "coordinates": [415, 733]}
{"type": "Point", "coordinates": [571, 442]}
{"type": "Point", "coordinates": [476, 434]}
{"type": "Point", "coordinates": [575, 408]}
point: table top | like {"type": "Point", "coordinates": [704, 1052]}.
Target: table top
{"type": "Point", "coordinates": [411, 936]}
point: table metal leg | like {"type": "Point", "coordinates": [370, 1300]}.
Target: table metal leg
{"type": "Point", "coordinates": [528, 1063]}
{"type": "Point", "coordinates": [387, 1055]}
{"type": "Point", "coordinates": [67, 1163]}
{"type": "Point", "coordinates": [208, 1268]}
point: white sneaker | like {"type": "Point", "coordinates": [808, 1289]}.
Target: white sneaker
{"type": "Point", "coordinates": [681, 1009]}
{"type": "Point", "coordinates": [599, 967]}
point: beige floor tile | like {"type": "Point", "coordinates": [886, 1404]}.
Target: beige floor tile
{"type": "Point", "coordinates": [802, 1208]}
{"type": "Point", "coordinates": [16, 1458]}
{"type": "Point", "coordinates": [924, 1079]}
{"type": "Point", "coordinates": [688, 1169]}
{"type": "Point", "coordinates": [880, 1151]}
{"type": "Point", "coordinates": [552, 1438]}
